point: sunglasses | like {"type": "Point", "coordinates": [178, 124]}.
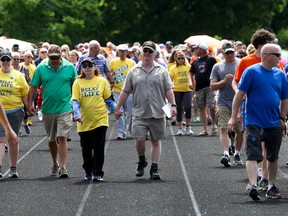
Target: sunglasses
{"type": "Point", "coordinates": [240, 56]}
{"type": "Point", "coordinates": [278, 55]}
{"type": "Point", "coordinates": [63, 50]}
{"type": "Point", "coordinates": [29, 56]}
{"type": "Point", "coordinates": [16, 59]}
{"type": "Point", "coordinates": [44, 52]}
{"type": "Point", "coordinates": [147, 50]}
{"type": "Point", "coordinates": [54, 57]}
{"type": "Point", "coordinates": [5, 59]}
{"type": "Point", "coordinates": [229, 52]}
{"type": "Point", "coordinates": [89, 65]}
{"type": "Point", "coordinates": [180, 58]}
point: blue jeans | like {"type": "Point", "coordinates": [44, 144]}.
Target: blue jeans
{"type": "Point", "coordinates": [127, 111]}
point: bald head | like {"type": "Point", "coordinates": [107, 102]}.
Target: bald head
{"type": "Point", "coordinates": [270, 48]}
{"type": "Point", "coordinates": [270, 54]}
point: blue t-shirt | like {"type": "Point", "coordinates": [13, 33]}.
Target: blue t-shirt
{"type": "Point", "coordinates": [265, 90]}
{"type": "Point", "coordinates": [286, 68]}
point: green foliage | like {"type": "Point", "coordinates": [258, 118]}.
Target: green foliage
{"type": "Point", "coordinates": [74, 21]}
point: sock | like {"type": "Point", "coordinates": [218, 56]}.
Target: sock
{"type": "Point", "coordinates": [237, 152]}
{"type": "Point", "coordinates": [154, 165]}
{"type": "Point", "coordinates": [270, 186]}
{"type": "Point", "coordinates": [226, 153]}
{"type": "Point", "coordinates": [142, 158]}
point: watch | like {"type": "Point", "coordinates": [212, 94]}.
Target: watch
{"type": "Point", "coordinates": [173, 105]}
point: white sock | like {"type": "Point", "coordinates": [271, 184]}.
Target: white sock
{"type": "Point", "coordinates": [226, 153]}
{"type": "Point", "coordinates": [237, 152]}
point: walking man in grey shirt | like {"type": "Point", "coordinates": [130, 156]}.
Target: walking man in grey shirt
{"type": "Point", "coordinates": [151, 85]}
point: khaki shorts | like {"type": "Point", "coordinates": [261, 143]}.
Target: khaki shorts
{"type": "Point", "coordinates": [204, 97]}
{"type": "Point", "coordinates": [156, 127]}
{"type": "Point", "coordinates": [57, 125]}
{"type": "Point", "coordinates": [223, 115]}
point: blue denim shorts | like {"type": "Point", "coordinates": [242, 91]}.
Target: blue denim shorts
{"type": "Point", "coordinates": [15, 119]}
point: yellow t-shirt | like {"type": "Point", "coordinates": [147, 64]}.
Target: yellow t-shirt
{"type": "Point", "coordinates": [170, 64]}
{"type": "Point", "coordinates": [30, 67]}
{"type": "Point", "coordinates": [91, 95]}
{"type": "Point", "coordinates": [13, 87]}
{"type": "Point", "coordinates": [180, 76]}
{"type": "Point", "coordinates": [119, 70]}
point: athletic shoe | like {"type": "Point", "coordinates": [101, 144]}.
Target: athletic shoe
{"type": "Point", "coordinates": [154, 174]}
{"type": "Point", "coordinates": [237, 160]}
{"type": "Point", "coordinates": [274, 193]}
{"type": "Point", "coordinates": [13, 173]}
{"type": "Point", "coordinates": [6, 148]}
{"type": "Point", "coordinates": [27, 129]}
{"type": "Point", "coordinates": [1, 174]}
{"type": "Point", "coordinates": [189, 130]}
{"type": "Point", "coordinates": [179, 132]}
{"type": "Point", "coordinates": [173, 122]}
{"type": "Point", "coordinates": [121, 137]}
{"type": "Point", "coordinates": [54, 170]}
{"type": "Point", "coordinates": [88, 176]}
{"type": "Point", "coordinates": [225, 160]}
{"type": "Point", "coordinates": [196, 120]}
{"type": "Point", "coordinates": [140, 168]}
{"type": "Point", "coordinates": [263, 184]}
{"type": "Point", "coordinates": [253, 193]}
{"type": "Point", "coordinates": [98, 179]}
{"type": "Point", "coordinates": [63, 173]}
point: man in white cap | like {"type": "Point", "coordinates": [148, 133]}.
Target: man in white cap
{"type": "Point", "coordinates": [119, 68]}
{"type": "Point", "coordinates": [200, 74]}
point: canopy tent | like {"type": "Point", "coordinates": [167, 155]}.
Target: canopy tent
{"type": "Point", "coordinates": [7, 43]}
{"type": "Point", "coordinates": [208, 40]}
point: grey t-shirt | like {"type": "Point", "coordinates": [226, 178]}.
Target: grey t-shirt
{"type": "Point", "coordinates": [219, 71]}
{"type": "Point", "coordinates": [149, 90]}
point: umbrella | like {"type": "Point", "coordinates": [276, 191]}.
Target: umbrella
{"type": "Point", "coordinates": [209, 41]}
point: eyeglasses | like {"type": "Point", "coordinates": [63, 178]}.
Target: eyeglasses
{"type": "Point", "coordinates": [180, 58]}
{"type": "Point", "coordinates": [16, 59]}
{"type": "Point", "coordinates": [278, 55]}
{"type": "Point", "coordinates": [5, 59]}
{"type": "Point", "coordinates": [54, 57]}
{"type": "Point", "coordinates": [43, 52]}
{"type": "Point", "coordinates": [147, 50]}
{"type": "Point", "coordinates": [89, 65]}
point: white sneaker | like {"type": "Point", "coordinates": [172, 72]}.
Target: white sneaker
{"type": "Point", "coordinates": [189, 130]}
{"type": "Point", "coordinates": [180, 132]}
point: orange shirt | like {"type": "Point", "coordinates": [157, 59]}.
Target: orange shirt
{"type": "Point", "coordinates": [248, 61]}
{"type": "Point", "coordinates": [244, 63]}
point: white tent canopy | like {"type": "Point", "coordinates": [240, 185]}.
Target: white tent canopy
{"type": "Point", "coordinates": [7, 43]}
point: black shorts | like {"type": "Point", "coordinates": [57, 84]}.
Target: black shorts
{"type": "Point", "coordinates": [272, 138]}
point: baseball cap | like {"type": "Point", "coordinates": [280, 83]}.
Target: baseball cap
{"type": "Point", "coordinates": [87, 59]}
{"type": "Point", "coordinates": [149, 45]}
{"type": "Point", "coordinates": [201, 46]}
{"type": "Point", "coordinates": [5, 54]}
{"type": "Point", "coordinates": [122, 47]}
{"type": "Point", "coordinates": [54, 50]}
{"type": "Point", "coordinates": [238, 43]}
{"type": "Point", "coordinates": [228, 46]}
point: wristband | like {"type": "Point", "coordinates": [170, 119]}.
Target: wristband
{"type": "Point", "coordinates": [174, 105]}
{"type": "Point", "coordinates": [283, 119]}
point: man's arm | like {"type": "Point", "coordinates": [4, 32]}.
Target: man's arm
{"type": "Point", "coordinates": [31, 96]}
{"type": "Point", "coordinates": [235, 107]}
{"type": "Point", "coordinates": [121, 100]}
{"type": "Point", "coordinates": [215, 85]}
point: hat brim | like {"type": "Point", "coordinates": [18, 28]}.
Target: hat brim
{"type": "Point", "coordinates": [148, 47]}
{"type": "Point", "coordinates": [229, 49]}
{"type": "Point", "coordinates": [56, 55]}
{"type": "Point", "coordinates": [6, 56]}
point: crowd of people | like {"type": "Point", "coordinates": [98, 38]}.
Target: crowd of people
{"type": "Point", "coordinates": [223, 88]}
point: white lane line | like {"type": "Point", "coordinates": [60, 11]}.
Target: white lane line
{"type": "Point", "coordinates": [190, 190]}
{"type": "Point", "coordinates": [27, 153]}
{"type": "Point", "coordinates": [89, 188]}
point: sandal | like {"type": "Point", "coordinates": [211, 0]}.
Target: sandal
{"type": "Point", "coordinates": [214, 131]}
{"type": "Point", "coordinates": [203, 133]}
